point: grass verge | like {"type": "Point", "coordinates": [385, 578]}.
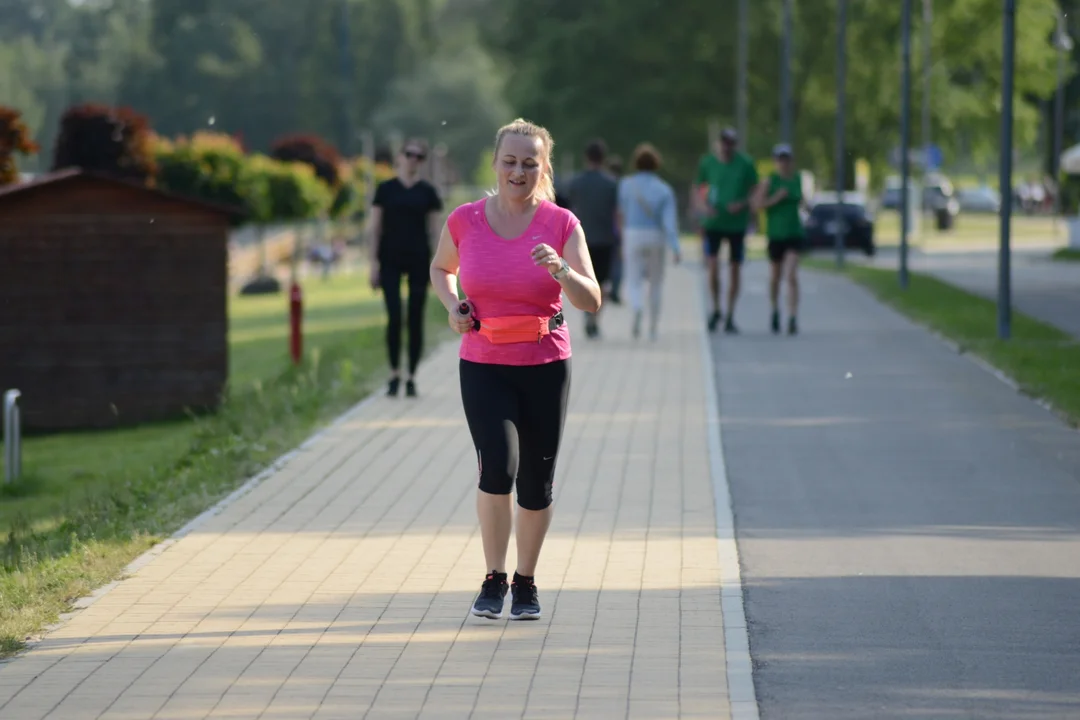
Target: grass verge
{"type": "Point", "coordinates": [1041, 359]}
{"type": "Point", "coordinates": [1067, 254]}
{"type": "Point", "coordinates": [89, 503]}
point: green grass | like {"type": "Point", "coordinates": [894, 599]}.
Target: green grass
{"type": "Point", "coordinates": [91, 502]}
{"type": "Point", "coordinates": [1040, 358]}
{"type": "Point", "coordinates": [1068, 254]}
{"type": "Point", "coordinates": [970, 229]}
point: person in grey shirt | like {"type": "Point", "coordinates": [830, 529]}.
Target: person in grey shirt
{"type": "Point", "coordinates": [593, 197]}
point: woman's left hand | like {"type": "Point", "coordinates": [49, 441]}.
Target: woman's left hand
{"type": "Point", "coordinates": [545, 256]}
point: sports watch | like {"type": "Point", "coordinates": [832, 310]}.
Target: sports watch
{"type": "Point", "coordinates": [563, 270]}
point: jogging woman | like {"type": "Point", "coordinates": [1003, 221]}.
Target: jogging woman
{"type": "Point", "coordinates": [400, 233]}
{"type": "Point", "coordinates": [515, 254]}
{"type": "Point", "coordinates": [780, 195]}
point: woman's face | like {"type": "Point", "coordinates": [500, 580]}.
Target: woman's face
{"type": "Point", "coordinates": [519, 164]}
{"type": "Point", "coordinates": [411, 157]}
{"type": "Point", "coordinates": [785, 163]}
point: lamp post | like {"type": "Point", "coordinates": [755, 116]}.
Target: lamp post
{"type": "Point", "coordinates": [905, 159]}
{"type": "Point", "coordinates": [741, 63]}
{"type": "Point", "coordinates": [1005, 182]}
{"type": "Point", "coordinates": [1064, 44]}
{"type": "Point", "coordinates": [785, 75]}
{"type": "Point", "coordinates": [841, 94]}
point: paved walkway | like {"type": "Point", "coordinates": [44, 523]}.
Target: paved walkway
{"type": "Point", "coordinates": [339, 587]}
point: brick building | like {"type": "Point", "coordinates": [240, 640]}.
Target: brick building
{"type": "Point", "coordinates": [112, 301]}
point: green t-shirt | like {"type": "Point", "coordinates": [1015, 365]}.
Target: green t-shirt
{"type": "Point", "coordinates": [783, 221]}
{"type": "Point", "coordinates": [728, 182]}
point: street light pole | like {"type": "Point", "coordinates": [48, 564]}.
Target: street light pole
{"type": "Point", "coordinates": [1064, 44]}
{"type": "Point", "coordinates": [841, 96]}
{"type": "Point", "coordinates": [926, 38]}
{"type": "Point", "coordinates": [905, 132]}
{"type": "Point", "coordinates": [785, 75]}
{"type": "Point", "coordinates": [926, 56]}
{"type": "Point", "coordinates": [1005, 181]}
{"type": "Point", "coordinates": [742, 63]}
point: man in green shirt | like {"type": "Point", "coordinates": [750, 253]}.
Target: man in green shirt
{"type": "Point", "coordinates": [780, 195]}
{"type": "Point", "coordinates": [725, 181]}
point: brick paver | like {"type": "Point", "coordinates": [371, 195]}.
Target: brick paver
{"type": "Point", "coordinates": [339, 587]}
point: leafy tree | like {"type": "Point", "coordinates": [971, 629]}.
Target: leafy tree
{"type": "Point", "coordinates": [32, 79]}
{"type": "Point", "coordinates": [634, 70]}
{"type": "Point", "coordinates": [14, 138]}
{"type": "Point", "coordinates": [116, 141]}
{"type": "Point", "coordinates": [455, 98]}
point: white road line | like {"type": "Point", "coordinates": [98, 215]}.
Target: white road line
{"type": "Point", "coordinates": [740, 678]}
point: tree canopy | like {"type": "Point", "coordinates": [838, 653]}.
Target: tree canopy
{"type": "Point", "coordinates": [453, 70]}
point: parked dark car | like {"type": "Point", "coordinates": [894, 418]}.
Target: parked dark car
{"type": "Point", "coordinates": [858, 227]}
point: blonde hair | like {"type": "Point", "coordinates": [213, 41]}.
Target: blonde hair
{"type": "Point", "coordinates": [546, 187]}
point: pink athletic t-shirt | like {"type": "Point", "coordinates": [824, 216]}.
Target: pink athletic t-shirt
{"type": "Point", "coordinates": [500, 278]}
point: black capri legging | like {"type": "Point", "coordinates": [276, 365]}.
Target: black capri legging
{"type": "Point", "coordinates": [516, 415]}
{"type": "Point", "coordinates": [418, 273]}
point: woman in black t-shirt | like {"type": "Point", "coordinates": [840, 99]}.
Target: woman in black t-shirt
{"type": "Point", "coordinates": [400, 231]}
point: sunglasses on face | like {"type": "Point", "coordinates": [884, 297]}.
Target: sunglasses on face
{"type": "Point", "coordinates": [412, 155]}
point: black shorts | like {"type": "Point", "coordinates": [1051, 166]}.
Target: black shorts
{"type": "Point", "coordinates": [602, 258]}
{"type": "Point", "coordinates": [516, 415]}
{"type": "Point", "coordinates": [736, 242]}
{"type": "Point", "coordinates": [780, 247]}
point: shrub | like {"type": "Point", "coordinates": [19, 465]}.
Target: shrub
{"type": "Point", "coordinates": [214, 168]}
{"type": "Point", "coordinates": [115, 141]}
{"type": "Point", "coordinates": [14, 138]}
{"type": "Point", "coordinates": [310, 150]}
{"type": "Point", "coordinates": [293, 190]}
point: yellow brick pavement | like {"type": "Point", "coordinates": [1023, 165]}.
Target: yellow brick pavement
{"type": "Point", "coordinates": [339, 586]}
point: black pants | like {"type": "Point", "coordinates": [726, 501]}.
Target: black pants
{"type": "Point", "coordinates": [418, 274]}
{"type": "Point", "coordinates": [602, 259]}
{"type": "Point", "coordinates": [516, 416]}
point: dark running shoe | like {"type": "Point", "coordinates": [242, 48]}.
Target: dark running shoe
{"type": "Point", "coordinates": [526, 604]}
{"type": "Point", "coordinates": [729, 327]}
{"type": "Point", "coordinates": [792, 326]}
{"type": "Point", "coordinates": [714, 320]}
{"type": "Point", "coordinates": [392, 387]}
{"type": "Point", "coordinates": [489, 603]}
{"type": "Point", "coordinates": [410, 388]}
{"type": "Point", "coordinates": [776, 322]}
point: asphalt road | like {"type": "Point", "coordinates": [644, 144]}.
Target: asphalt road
{"type": "Point", "coordinates": [909, 526]}
{"type": "Point", "coordinates": [1041, 288]}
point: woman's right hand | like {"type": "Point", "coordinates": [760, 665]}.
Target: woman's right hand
{"type": "Point", "coordinates": [459, 323]}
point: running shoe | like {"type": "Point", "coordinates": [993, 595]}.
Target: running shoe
{"type": "Point", "coordinates": [776, 322]}
{"type": "Point", "coordinates": [525, 604]}
{"type": "Point", "coordinates": [792, 326]}
{"type": "Point", "coordinates": [489, 603]}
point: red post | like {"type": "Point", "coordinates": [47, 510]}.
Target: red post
{"type": "Point", "coordinates": [296, 307]}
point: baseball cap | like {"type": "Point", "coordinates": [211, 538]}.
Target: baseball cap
{"type": "Point", "coordinates": [729, 135]}
{"type": "Point", "coordinates": [782, 150]}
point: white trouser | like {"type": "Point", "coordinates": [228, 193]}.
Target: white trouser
{"type": "Point", "coordinates": [643, 261]}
